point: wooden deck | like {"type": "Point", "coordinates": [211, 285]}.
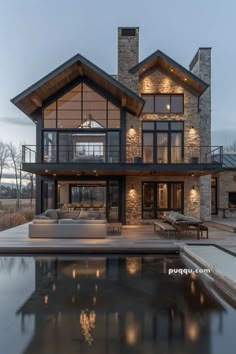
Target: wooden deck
{"type": "Point", "coordinates": [138, 238]}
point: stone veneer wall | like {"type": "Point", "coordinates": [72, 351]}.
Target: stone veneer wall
{"type": "Point", "coordinates": [152, 82]}
{"type": "Point", "coordinates": [226, 183]}
{"type": "Point", "coordinates": [134, 196]}
{"type": "Point", "coordinates": [201, 66]}
{"type": "Point", "coordinates": [155, 81]}
{"type": "Point", "coordinates": [128, 56]}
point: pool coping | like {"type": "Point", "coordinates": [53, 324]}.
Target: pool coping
{"type": "Point", "coordinates": [222, 282]}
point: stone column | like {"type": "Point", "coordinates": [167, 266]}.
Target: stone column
{"type": "Point", "coordinates": [201, 67]}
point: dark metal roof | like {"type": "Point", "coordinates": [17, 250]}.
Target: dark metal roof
{"type": "Point", "coordinates": [158, 57]}
{"type": "Point", "coordinates": [31, 98]}
{"type": "Point", "coordinates": [229, 160]}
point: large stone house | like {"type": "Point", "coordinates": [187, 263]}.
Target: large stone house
{"type": "Point", "coordinates": [131, 146]}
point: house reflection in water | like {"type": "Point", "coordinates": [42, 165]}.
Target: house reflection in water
{"type": "Point", "coordinates": [118, 304]}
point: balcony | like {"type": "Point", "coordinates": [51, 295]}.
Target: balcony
{"type": "Point", "coordinates": [94, 156]}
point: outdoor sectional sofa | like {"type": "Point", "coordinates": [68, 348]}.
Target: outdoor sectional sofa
{"type": "Point", "coordinates": [80, 225]}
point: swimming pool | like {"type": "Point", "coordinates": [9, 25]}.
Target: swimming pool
{"type": "Point", "coordinates": [109, 304]}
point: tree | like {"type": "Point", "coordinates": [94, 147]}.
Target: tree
{"type": "Point", "coordinates": [4, 155]}
{"type": "Point", "coordinates": [231, 148]}
{"type": "Point", "coordinates": [16, 159]}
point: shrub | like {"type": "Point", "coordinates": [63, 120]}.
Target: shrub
{"type": "Point", "coordinates": [28, 214]}
{"type": "Point", "coordinates": [10, 220]}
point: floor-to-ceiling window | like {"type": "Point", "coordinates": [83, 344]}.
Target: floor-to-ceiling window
{"type": "Point", "coordinates": [158, 197]}
{"type": "Point", "coordinates": [88, 128]}
{"type": "Point", "coordinates": [162, 141]}
{"type": "Point", "coordinates": [102, 195]}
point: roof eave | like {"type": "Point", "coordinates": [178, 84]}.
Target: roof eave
{"type": "Point", "coordinates": [165, 57]}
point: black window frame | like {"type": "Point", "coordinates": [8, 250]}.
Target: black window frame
{"type": "Point", "coordinates": [160, 210]}
{"type": "Point", "coordinates": [163, 94]}
{"type": "Point", "coordinates": [100, 92]}
{"type": "Point", "coordinates": [80, 131]}
{"type": "Point", "coordinates": [169, 132]}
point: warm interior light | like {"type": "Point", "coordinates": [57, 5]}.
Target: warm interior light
{"type": "Point", "coordinates": [97, 273]}
{"type": "Point", "coordinates": [185, 79]}
{"type": "Point", "coordinates": [73, 273]}
{"type": "Point", "coordinates": [46, 171]}
{"type": "Point", "coordinates": [172, 69]}
{"type": "Point", "coordinates": [54, 174]}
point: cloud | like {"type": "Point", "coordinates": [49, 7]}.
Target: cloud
{"type": "Point", "coordinates": [16, 120]}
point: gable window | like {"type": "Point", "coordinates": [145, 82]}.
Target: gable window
{"type": "Point", "coordinates": [81, 107]}
{"type": "Point", "coordinates": [163, 103]}
{"type": "Point", "coordinates": [162, 142]}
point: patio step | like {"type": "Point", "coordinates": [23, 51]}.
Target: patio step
{"type": "Point", "coordinates": [221, 226]}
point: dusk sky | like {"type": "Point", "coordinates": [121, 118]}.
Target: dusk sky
{"type": "Point", "coordinates": [37, 36]}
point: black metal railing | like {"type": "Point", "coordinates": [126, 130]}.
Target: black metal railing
{"type": "Point", "coordinates": [101, 153]}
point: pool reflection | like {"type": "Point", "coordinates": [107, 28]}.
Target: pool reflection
{"type": "Point", "coordinates": [119, 304]}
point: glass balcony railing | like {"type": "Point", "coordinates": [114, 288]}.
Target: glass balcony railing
{"type": "Point", "coordinates": [129, 154]}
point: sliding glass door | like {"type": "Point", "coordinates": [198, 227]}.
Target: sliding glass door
{"type": "Point", "coordinates": [158, 197]}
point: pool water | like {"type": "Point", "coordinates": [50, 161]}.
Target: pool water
{"type": "Point", "coordinates": [109, 305]}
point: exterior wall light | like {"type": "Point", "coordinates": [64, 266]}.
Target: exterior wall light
{"type": "Point", "coordinates": [131, 127]}
{"type": "Point", "coordinates": [132, 187]}
{"type": "Point", "coordinates": [193, 187]}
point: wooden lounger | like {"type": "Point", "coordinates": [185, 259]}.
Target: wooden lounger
{"type": "Point", "coordinates": [163, 226]}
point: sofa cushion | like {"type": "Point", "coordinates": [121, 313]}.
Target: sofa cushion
{"type": "Point", "coordinates": [84, 214]}
{"type": "Point", "coordinates": [68, 214]}
{"type": "Point", "coordinates": [44, 221]}
{"type": "Point", "coordinates": [81, 221]}
{"type": "Point", "coordinates": [51, 213]}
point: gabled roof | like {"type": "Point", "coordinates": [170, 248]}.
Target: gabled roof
{"type": "Point", "coordinates": [33, 97]}
{"type": "Point", "coordinates": [175, 70]}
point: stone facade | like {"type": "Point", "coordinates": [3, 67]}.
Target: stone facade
{"type": "Point", "coordinates": [134, 196]}
{"type": "Point", "coordinates": [201, 66]}
{"type": "Point", "coordinates": [226, 182]}
{"type": "Point", "coordinates": [197, 127]}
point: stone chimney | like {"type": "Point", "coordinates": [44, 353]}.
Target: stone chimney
{"type": "Point", "coordinates": [128, 56]}
{"type": "Point", "coordinates": [201, 67]}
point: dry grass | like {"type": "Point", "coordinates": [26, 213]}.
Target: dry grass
{"type": "Point", "coordinates": [9, 220]}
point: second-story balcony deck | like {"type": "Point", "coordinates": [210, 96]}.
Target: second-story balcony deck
{"type": "Point", "coordinates": [129, 159]}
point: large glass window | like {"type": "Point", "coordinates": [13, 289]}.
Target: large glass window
{"type": "Point", "coordinates": [49, 152]}
{"type": "Point", "coordinates": [89, 195]}
{"type": "Point", "coordinates": [163, 142]}
{"type": "Point", "coordinates": [81, 146]}
{"type": "Point", "coordinates": [48, 195]}
{"type": "Point", "coordinates": [158, 197]}
{"type": "Point", "coordinates": [163, 103]}
{"type": "Point", "coordinates": [81, 107]}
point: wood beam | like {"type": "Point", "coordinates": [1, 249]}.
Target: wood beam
{"type": "Point", "coordinates": [36, 100]}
